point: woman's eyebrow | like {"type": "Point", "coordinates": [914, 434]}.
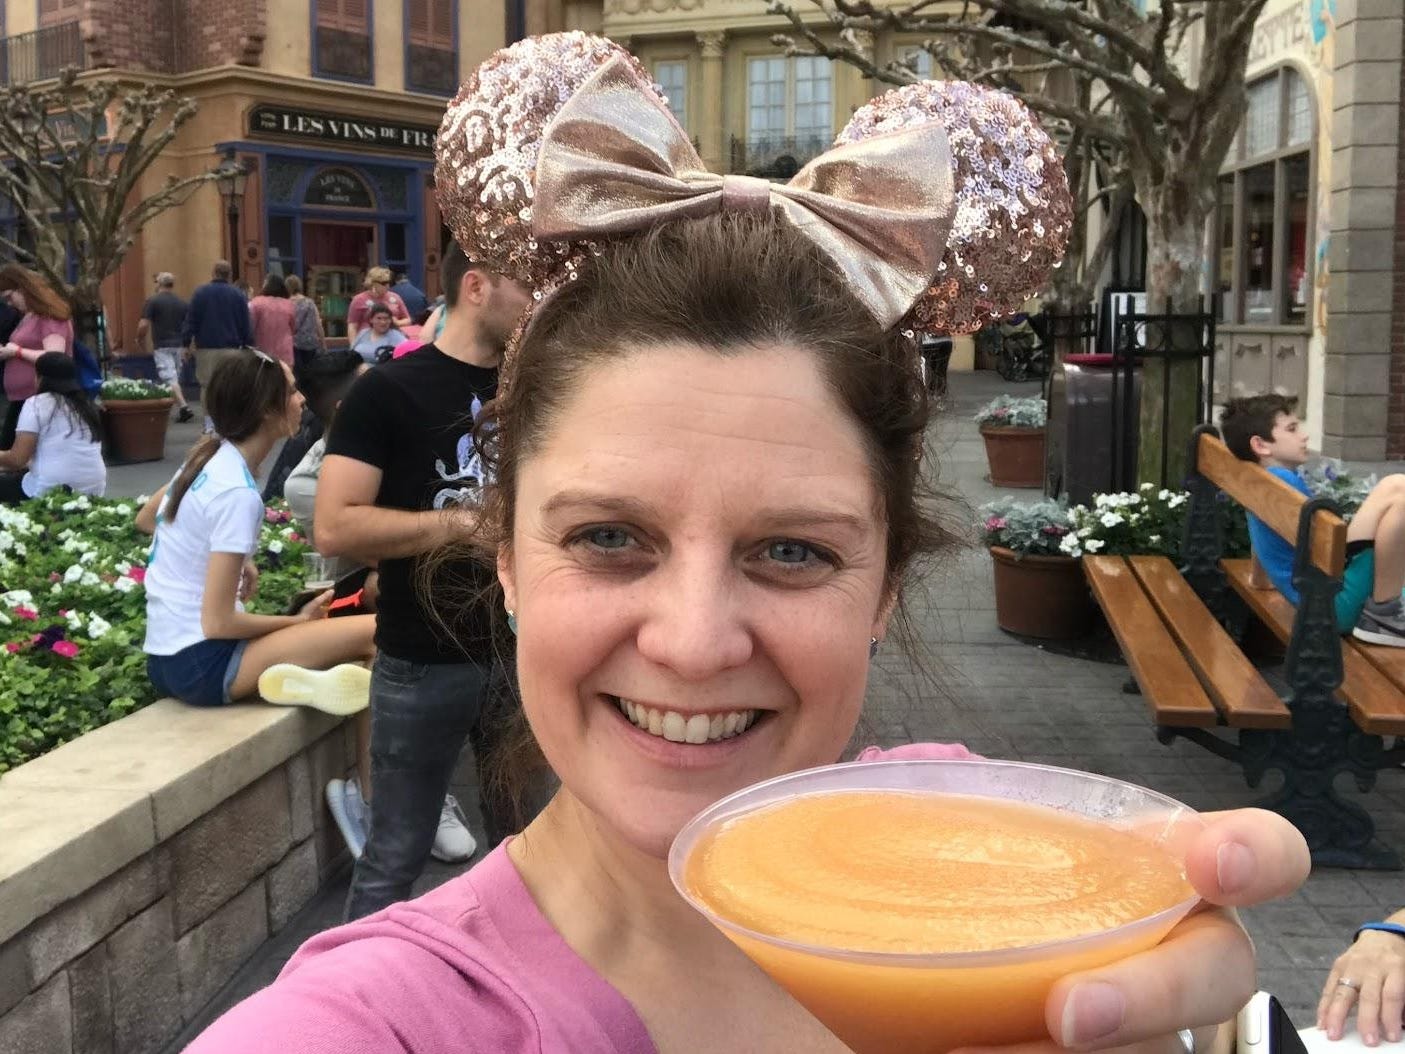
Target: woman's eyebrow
{"type": "Point", "coordinates": [783, 518]}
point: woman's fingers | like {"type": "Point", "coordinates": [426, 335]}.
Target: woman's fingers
{"type": "Point", "coordinates": [1201, 974]}
{"type": "Point", "coordinates": [1393, 1003]}
{"type": "Point", "coordinates": [1368, 979]}
{"type": "Point", "coordinates": [1170, 1044]}
{"type": "Point", "coordinates": [1245, 857]}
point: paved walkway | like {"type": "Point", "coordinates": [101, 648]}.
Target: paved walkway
{"type": "Point", "coordinates": [1005, 698]}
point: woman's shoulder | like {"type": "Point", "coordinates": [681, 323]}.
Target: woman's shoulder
{"type": "Point", "coordinates": [468, 967]}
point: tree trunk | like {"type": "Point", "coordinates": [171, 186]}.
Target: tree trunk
{"type": "Point", "coordinates": [1175, 261]}
{"type": "Point", "coordinates": [89, 327]}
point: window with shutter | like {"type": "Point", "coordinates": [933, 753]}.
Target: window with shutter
{"type": "Point", "coordinates": [343, 39]}
{"type": "Point", "coordinates": [431, 57]}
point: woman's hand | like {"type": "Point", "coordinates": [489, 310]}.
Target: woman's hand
{"type": "Point", "coordinates": [317, 607]}
{"type": "Point", "coordinates": [1202, 974]}
{"type": "Point", "coordinates": [1375, 966]}
{"type": "Point", "coordinates": [248, 581]}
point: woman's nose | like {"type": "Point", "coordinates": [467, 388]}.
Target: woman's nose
{"type": "Point", "coordinates": [696, 625]}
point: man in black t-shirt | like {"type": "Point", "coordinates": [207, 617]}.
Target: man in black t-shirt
{"type": "Point", "coordinates": [162, 321]}
{"type": "Point", "coordinates": [402, 477]}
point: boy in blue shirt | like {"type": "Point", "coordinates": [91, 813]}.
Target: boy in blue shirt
{"type": "Point", "coordinates": [1265, 429]}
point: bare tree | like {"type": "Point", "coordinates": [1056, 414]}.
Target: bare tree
{"type": "Point", "coordinates": [73, 156]}
{"type": "Point", "coordinates": [1163, 89]}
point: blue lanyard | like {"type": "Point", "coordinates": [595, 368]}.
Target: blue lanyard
{"type": "Point", "coordinates": [1383, 927]}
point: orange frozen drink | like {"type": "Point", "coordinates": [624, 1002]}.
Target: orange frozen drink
{"type": "Point", "coordinates": [892, 875]}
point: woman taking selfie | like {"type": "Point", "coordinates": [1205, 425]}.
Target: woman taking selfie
{"type": "Point", "coordinates": [707, 505]}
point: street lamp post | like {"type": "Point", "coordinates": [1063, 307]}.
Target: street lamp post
{"type": "Point", "coordinates": [232, 178]}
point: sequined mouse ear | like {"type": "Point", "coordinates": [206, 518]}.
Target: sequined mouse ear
{"type": "Point", "coordinates": [1013, 208]}
{"type": "Point", "coordinates": [486, 151]}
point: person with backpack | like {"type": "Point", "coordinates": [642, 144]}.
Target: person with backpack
{"type": "Point", "coordinates": [162, 320]}
{"type": "Point", "coordinates": [58, 437]}
{"type": "Point", "coordinates": [46, 326]}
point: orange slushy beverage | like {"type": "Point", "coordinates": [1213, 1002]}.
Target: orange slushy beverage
{"type": "Point", "coordinates": [882, 887]}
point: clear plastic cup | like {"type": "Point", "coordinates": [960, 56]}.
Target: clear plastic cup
{"type": "Point", "coordinates": [888, 1002]}
{"type": "Point", "coordinates": [317, 571]}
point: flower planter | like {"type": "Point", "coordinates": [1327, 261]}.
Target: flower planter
{"type": "Point", "coordinates": [136, 428]}
{"type": "Point", "coordinates": [1015, 456]}
{"type": "Point", "coordinates": [1041, 596]}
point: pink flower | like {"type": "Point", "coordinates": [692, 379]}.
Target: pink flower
{"type": "Point", "coordinates": [12, 647]}
{"type": "Point", "coordinates": [995, 523]}
{"type": "Point", "coordinates": [66, 648]}
{"type": "Point", "coordinates": [137, 574]}
{"type": "Point", "coordinates": [1054, 529]}
{"type": "Point", "coordinates": [63, 612]}
{"type": "Point", "coordinates": [27, 613]}
{"type": "Point", "coordinates": [295, 537]}
{"type": "Point", "coordinates": [270, 515]}
{"type": "Point", "coordinates": [54, 576]}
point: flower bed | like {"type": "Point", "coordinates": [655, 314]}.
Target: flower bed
{"type": "Point", "coordinates": [133, 389]}
{"type": "Point", "coordinates": [73, 614]}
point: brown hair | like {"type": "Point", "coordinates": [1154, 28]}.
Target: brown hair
{"type": "Point", "coordinates": [39, 297]}
{"type": "Point", "coordinates": [1254, 415]}
{"type": "Point", "coordinates": [294, 284]}
{"type": "Point", "coordinates": [726, 283]}
{"type": "Point", "coordinates": [243, 391]}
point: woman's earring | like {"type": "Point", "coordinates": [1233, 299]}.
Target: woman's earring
{"type": "Point", "coordinates": [872, 647]}
{"type": "Point", "coordinates": [512, 621]}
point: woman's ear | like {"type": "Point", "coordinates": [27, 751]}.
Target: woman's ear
{"type": "Point", "coordinates": [507, 579]}
{"type": "Point", "coordinates": [885, 614]}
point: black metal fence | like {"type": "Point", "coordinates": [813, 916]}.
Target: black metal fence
{"type": "Point", "coordinates": [41, 54]}
{"type": "Point", "coordinates": [775, 156]}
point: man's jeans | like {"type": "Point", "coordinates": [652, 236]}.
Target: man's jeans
{"type": "Point", "coordinates": [421, 716]}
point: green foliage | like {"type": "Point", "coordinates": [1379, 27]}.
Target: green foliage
{"type": "Point", "coordinates": [1026, 527]}
{"type": "Point", "coordinates": [73, 614]}
{"type": "Point", "coordinates": [1008, 411]}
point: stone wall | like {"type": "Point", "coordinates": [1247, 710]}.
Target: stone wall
{"type": "Point", "coordinates": [122, 965]}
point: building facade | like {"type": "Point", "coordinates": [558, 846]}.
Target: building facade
{"type": "Point", "coordinates": [1308, 245]}
{"type": "Point", "coordinates": [331, 105]}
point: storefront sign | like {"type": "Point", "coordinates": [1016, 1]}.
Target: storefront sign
{"type": "Point", "coordinates": [285, 123]}
{"type": "Point", "coordinates": [1275, 35]}
{"type": "Point", "coordinates": [337, 186]}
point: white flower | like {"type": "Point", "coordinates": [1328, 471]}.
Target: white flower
{"type": "Point", "coordinates": [123, 567]}
{"type": "Point", "coordinates": [88, 557]}
{"type": "Point", "coordinates": [66, 534]}
{"type": "Point", "coordinates": [123, 509]}
{"type": "Point", "coordinates": [1084, 532]}
{"type": "Point", "coordinates": [289, 533]}
{"type": "Point", "coordinates": [125, 584]}
{"type": "Point", "coordinates": [1164, 494]}
{"type": "Point", "coordinates": [1155, 539]}
{"type": "Point", "coordinates": [1069, 545]}
{"type": "Point", "coordinates": [1176, 501]}
{"type": "Point", "coordinates": [73, 574]}
{"type": "Point", "coordinates": [142, 499]}
{"type": "Point", "coordinates": [20, 550]}
{"type": "Point", "coordinates": [98, 626]}
{"type": "Point", "coordinates": [275, 546]}
{"type": "Point", "coordinates": [1147, 486]}
{"type": "Point", "coordinates": [56, 588]}
{"type": "Point", "coordinates": [1133, 499]}
{"type": "Point", "coordinates": [89, 579]}
{"type": "Point", "coordinates": [4, 620]}
{"type": "Point", "coordinates": [17, 598]}
{"type": "Point", "coordinates": [75, 620]}
{"type": "Point", "coordinates": [1102, 501]}
{"type": "Point", "coordinates": [1111, 519]}
{"type": "Point", "coordinates": [1093, 544]}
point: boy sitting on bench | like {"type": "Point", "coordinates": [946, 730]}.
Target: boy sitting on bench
{"type": "Point", "coordinates": [1265, 429]}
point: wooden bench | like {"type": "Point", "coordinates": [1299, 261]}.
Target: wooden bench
{"type": "Point", "coordinates": [1342, 696]}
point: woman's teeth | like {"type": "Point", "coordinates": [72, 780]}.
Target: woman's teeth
{"type": "Point", "coordinates": [678, 728]}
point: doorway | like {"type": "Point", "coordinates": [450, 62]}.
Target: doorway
{"type": "Point", "coordinates": [336, 255]}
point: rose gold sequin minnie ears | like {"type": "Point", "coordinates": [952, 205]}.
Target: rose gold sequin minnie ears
{"type": "Point", "coordinates": [947, 199]}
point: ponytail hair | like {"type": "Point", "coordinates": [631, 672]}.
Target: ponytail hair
{"type": "Point", "coordinates": [243, 391]}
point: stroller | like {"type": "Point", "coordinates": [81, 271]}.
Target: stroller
{"type": "Point", "coordinates": [1021, 356]}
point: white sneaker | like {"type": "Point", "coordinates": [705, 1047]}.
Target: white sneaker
{"type": "Point", "coordinates": [358, 813]}
{"type": "Point", "coordinates": [351, 832]}
{"type": "Point", "coordinates": [453, 843]}
{"type": "Point", "coordinates": [342, 690]}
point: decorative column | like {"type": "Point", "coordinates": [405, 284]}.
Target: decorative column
{"type": "Point", "coordinates": [713, 46]}
{"type": "Point", "coordinates": [852, 89]}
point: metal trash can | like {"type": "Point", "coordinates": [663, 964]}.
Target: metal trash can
{"type": "Point", "coordinates": [1081, 453]}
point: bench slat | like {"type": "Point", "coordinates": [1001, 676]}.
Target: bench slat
{"type": "Point", "coordinates": [1377, 704]}
{"type": "Point", "coordinates": [1274, 502]}
{"type": "Point", "coordinates": [1239, 690]}
{"type": "Point", "coordinates": [1172, 691]}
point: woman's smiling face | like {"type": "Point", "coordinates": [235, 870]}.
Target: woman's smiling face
{"type": "Point", "coordinates": [698, 548]}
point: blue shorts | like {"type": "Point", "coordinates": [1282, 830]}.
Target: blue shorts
{"type": "Point", "coordinates": [201, 674]}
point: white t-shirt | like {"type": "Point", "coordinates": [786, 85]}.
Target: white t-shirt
{"type": "Point", "coordinates": [220, 513]}
{"type": "Point", "coordinates": [65, 453]}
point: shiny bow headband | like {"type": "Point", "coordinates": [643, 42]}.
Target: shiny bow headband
{"type": "Point", "coordinates": [944, 204]}
{"type": "Point", "coordinates": [615, 161]}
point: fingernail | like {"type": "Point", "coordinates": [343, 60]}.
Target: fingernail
{"type": "Point", "coordinates": [1234, 867]}
{"type": "Point", "coordinates": [1093, 1010]}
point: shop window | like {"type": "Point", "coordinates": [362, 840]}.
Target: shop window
{"type": "Point", "coordinates": [431, 46]}
{"type": "Point", "coordinates": [920, 60]}
{"type": "Point", "coordinates": [672, 77]}
{"type": "Point", "coordinates": [396, 240]}
{"type": "Point", "coordinates": [54, 12]}
{"type": "Point", "coordinates": [1263, 269]}
{"type": "Point", "coordinates": [282, 246]}
{"type": "Point", "coordinates": [790, 115]}
{"type": "Point", "coordinates": [341, 46]}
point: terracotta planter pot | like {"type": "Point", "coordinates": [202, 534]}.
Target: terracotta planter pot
{"type": "Point", "coordinates": [1015, 455]}
{"type": "Point", "coordinates": [136, 428]}
{"type": "Point", "coordinates": [1041, 596]}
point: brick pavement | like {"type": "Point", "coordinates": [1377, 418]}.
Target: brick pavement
{"type": "Point", "coordinates": [1008, 699]}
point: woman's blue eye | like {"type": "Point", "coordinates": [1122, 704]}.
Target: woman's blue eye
{"type": "Point", "coordinates": [607, 537]}
{"type": "Point", "coordinates": [790, 552]}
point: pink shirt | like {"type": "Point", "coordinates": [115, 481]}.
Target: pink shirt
{"type": "Point", "coordinates": [472, 966]}
{"type": "Point", "coordinates": [274, 319]}
{"type": "Point", "coordinates": [20, 382]}
{"type": "Point", "coordinates": [360, 307]}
